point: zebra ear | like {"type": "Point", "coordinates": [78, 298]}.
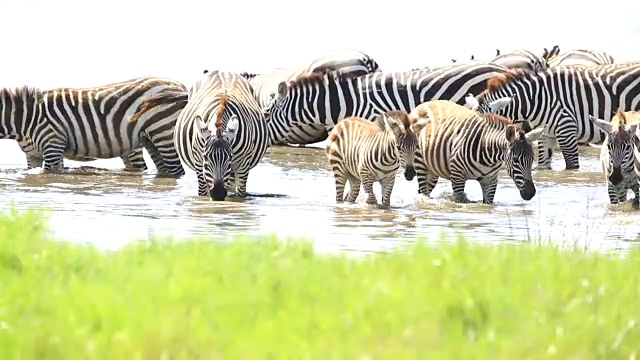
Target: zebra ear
{"type": "Point", "coordinates": [282, 89]}
{"type": "Point", "coordinates": [631, 129]}
{"type": "Point", "coordinates": [602, 124]}
{"type": "Point", "coordinates": [510, 133]}
{"type": "Point", "coordinates": [232, 128]}
{"type": "Point", "coordinates": [203, 127]}
{"type": "Point", "coordinates": [389, 122]}
{"type": "Point", "coordinates": [534, 135]}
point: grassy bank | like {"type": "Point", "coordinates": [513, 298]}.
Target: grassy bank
{"type": "Point", "coordinates": [255, 299]}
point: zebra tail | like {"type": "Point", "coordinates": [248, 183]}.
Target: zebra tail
{"type": "Point", "coordinates": [178, 97]}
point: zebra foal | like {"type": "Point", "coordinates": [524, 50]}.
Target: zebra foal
{"type": "Point", "coordinates": [459, 144]}
{"type": "Point", "coordinates": [362, 152]}
{"type": "Point", "coordinates": [618, 159]}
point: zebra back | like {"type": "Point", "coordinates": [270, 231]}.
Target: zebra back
{"type": "Point", "coordinates": [582, 58]}
{"type": "Point", "coordinates": [348, 61]}
{"type": "Point", "coordinates": [521, 59]}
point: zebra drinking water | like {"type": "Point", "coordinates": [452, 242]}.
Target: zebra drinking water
{"type": "Point", "coordinates": [561, 99]}
{"type": "Point", "coordinates": [363, 152]}
{"type": "Point", "coordinates": [459, 144]}
{"type": "Point", "coordinates": [221, 134]}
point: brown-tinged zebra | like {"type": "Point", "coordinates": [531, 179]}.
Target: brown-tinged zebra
{"type": "Point", "coordinates": [561, 99]}
{"type": "Point", "coordinates": [363, 152]}
{"type": "Point", "coordinates": [619, 156]}
{"type": "Point", "coordinates": [459, 144]}
{"type": "Point", "coordinates": [221, 134]}
{"type": "Point", "coordinates": [113, 120]}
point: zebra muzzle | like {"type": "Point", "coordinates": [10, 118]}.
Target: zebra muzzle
{"type": "Point", "coordinates": [218, 192]}
{"type": "Point", "coordinates": [409, 172]}
{"type": "Point", "coordinates": [616, 176]}
{"type": "Point", "coordinates": [528, 190]}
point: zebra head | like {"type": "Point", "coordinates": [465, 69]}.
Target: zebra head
{"type": "Point", "coordinates": [216, 155]}
{"type": "Point", "coordinates": [518, 159]}
{"type": "Point", "coordinates": [406, 140]}
{"type": "Point", "coordinates": [617, 152]}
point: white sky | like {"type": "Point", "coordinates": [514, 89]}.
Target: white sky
{"type": "Point", "coordinates": [85, 43]}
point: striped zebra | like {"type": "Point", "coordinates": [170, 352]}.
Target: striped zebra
{"type": "Point", "coordinates": [82, 124]}
{"type": "Point", "coordinates": [520, 59]}
{"type": "Point", "coordinates": [325, 99]}
{"type": "Point", "coordinates": [581, 58]}
{"type": "Point", "coordinates": [561, 99]}
{"type": "Point", "coordinates": [618, 156]}
{"type": "Point", "coordinates": [363, 152]}
{"type": "Point", "coordinates": [459, 144]}
{"type": "Point", "coordinates": [349, 62]}
{"type": "Point", "coordinates": [221, 134]}
{"type": "Point", "coordinates": [547, 55]}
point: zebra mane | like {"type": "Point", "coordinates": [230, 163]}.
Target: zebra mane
{"type": "Point", "coordinates": [497, 118]}
{"type": "Point", "coordinates": [320, 77]}
{"type": "Point", "coordinates": [222, 105]}
{"type": "Point", "coordinates": [25, 92]}
{"type": "Point", "coordinates": [248, 75]}
{"type": "Point", "coordinates": [500, 80]}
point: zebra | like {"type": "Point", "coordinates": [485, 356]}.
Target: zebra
{"type": "Point", "coordinates": [547, 55]}
{"type": "Point", "coordinates": [459, 144]}
{"type": "Point", "coordinates": [113, 120]}
{"type": "Point", "coordinates": [582, 58]}
{"type": "Point", "coordinates": [520, 59]}
{"type": "Point", "coordinates": [325, 99]}
{"type": "Point", "coordinates": [221, 134]}
{"type": "Point", "coordinates": [362, 152]}
{"type": "Point", "coordinates": [351, 62]}
{"type": "Point", "coordinates": [618, 156]}
{"type": "Point", "coordinates": [561, 99]}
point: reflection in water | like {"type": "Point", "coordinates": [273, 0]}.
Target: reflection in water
{"type": "Point", "coordinates": [295, 197]}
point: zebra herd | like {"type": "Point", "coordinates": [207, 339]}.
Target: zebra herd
{"type": "Point", "coordinates": [460, 122]}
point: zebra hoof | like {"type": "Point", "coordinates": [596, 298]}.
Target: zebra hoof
{"type": "Point", "coordinates": [572, 167]}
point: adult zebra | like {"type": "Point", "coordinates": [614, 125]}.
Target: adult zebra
{"type": "Point", "coordinates": [561, 99]}
{"type": "Point", "coordinates": [520, 59]}
{"type": "Point", "coordinates": [221, 134]}
{"type": "Point", "coordinates": [325, 99]}
{"type": "Point", "coordinates": [459, 144]}
{"type": "Point", "coordinates": [581, 58]}
{"type": "Point", "coordinates": [350, 62]}
{"type": "Point", "coordinates": [114, 120]}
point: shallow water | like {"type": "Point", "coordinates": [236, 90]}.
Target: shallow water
{"type": "Point", "coordinates": [110, 208]}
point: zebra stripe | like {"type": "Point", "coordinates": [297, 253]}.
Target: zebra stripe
{"type": "Point", "coordinates": [325, 99]}
{"type": "Point", "coordinates": [459, 144]}
{"type": "Point", "coordinates": [561, 99]}
{"type": "Point", "coordinates": [581, 58]}
{"type": "Point", "coordinates": [617, 156]}
{"type": "Point", "coordinates": [221, 134]}
{"type": "Point", "coordinates": [521, 59]}
{"type": "Point", "coordinates": [348, 62]}
{"type": "Point", "coordinates": [113, 120]}
{"type": "Point", "coordinates": [363, 152]}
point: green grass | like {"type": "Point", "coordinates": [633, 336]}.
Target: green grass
{"type": "Point", "coordinates": [260, 299]}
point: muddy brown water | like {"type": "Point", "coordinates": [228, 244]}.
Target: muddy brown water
{"type": "Point", "coordinates": [296, 198]}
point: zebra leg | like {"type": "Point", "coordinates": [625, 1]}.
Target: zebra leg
{"type": "Point", "coordinates": [33, 161]}
{"type": "Point", "coordinates": [241, 183]}
{"type": "Point", "coordinates": [340, 182]}
{"type": "Point", "coordinates": [367, 184]}
{"type": "Point", "coordinates": [545, 151]}
{"type": "Point", "coordinates": [568, 140]}
{"type": "Point", "coordinates": [53, 155]}
{"type": "Point", "coordinates": [231, 184]}
{"type": "Point", "coordinates": [164, 155]}
{"type": "Point", "coordinates": [458, 181]}
{"type": "Point", "coordinates": [134, 161]}
{"type": "Point", "coordinates": [387, 189]}
{"type": "Point", "coordinates": [635, 202]}
{"type": "Point", "coordinates": [203, 188]}
{"type": "Point", "coordinates": [354, 189]}
{"type": "Point", "coordinates": [614, 193]}
{"type": "Point", "coordinates": [488, 185]}
{"type": "Point", "coordinates": [426, 183]}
